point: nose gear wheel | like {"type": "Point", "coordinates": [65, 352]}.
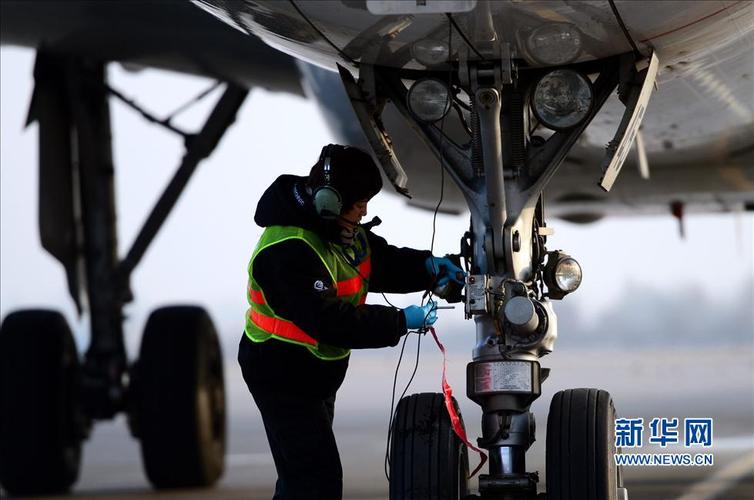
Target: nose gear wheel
{"type": "Point", "coordinates": [581, 446]}
{"type": "Point", "coordinates": [427, 459]}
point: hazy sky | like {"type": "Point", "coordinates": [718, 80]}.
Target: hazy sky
{"type": "Point", "coordinates": [202, 251]}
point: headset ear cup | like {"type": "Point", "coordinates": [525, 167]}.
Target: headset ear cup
{"type": "Point", "coordinates": [327, 202]}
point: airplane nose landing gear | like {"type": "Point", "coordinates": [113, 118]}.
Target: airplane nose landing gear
{"type": "Point", "coordinates": [502, 171]}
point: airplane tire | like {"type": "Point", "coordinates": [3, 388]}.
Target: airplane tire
{"type": "Point", "coordinates": [40, 433]}
{"type": "Point", "coordinates": [581, 445]}
{"type": "Point", "coordinates": [179, 399]}
{"type": "Point", "coordinates": [427, 460]}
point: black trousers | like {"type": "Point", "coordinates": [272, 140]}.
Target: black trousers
{"type": "Point", "coordinates": [299, 431]}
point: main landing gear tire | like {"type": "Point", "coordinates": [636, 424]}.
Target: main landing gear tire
{"type": "Point", "coordinates": [41, 424]}
{"type": "Point", "coordinates": [427, 460]}
{"type": "Point", "coordinates": [581, 446]}
{"type": "Point", "coordinates": [178, 411]}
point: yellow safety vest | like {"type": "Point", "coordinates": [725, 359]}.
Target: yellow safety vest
{"type": "Point", "coordinates": [351, 283]}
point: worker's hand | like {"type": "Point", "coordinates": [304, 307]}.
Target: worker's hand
{"type": "Point", "coordinates": [420, 316]}
{"type": "Point", "coordinates": [444, 270]}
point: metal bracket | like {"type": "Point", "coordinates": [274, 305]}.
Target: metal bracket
{"type": "Point", "coordinates": [507, 66]}
{"type": "Point", "coordinates": [522, 484]}
{"type": "Point", "coordinates": [636, 104]}
{"type": "Point", "coordinates": [641, 153]}
{"type": "Point", "coordinates": [368, 113]}
{"type": "Point", "coordinates": [477, 296]}
{"type": "Point", "coordinates": [543, 162]}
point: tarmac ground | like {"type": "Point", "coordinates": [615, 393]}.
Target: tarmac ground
{"type": "Point", "coordinates": [687, 383]}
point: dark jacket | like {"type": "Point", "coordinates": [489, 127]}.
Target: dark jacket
{"type": "Point", "coordinates": [288, 271]}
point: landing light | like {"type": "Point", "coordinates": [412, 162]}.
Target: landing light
{"type": "Point", "coordinates": [429, 99]}
{"type": "Point", "coordinates": [562, 99]}
{"type": "Point", "coordinates": [562, 274]}
{"type": "Point", "coordinates": [555, 44]}
{"type": "Point", "coordinates": [430, 52]}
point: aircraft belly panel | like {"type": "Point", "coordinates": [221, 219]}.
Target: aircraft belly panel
{"type": "Point", "coordinates": [683, 30]}
{"type": "Point", "coordinates": [323, 32]}
{"type": "Point", "coordinates": [703, 112]}
{"type": "Point", "coordinates": [326, 32]}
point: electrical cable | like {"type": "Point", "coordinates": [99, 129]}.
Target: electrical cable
{"type": "Point", "coordinates": [453, 22]}
{"type": "Point", "coordinates": [392, 406]}
{"type": "Point", "coordinates": [429, 293]}
{"type": "Point", "coordinates": [364, 278]}
{"type": "Point", "coordinates": [624, 28]}
{"type": "Point", "coordinates": [463, 121]}
{"type": "Point", "coordinates": [400, 358]}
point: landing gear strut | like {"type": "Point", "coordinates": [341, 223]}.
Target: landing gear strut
{"type": "Point", "coordinates": [176, 402]}
{"type": "Point", "coordinates": [502, 171]}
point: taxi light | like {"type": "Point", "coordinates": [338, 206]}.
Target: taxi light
{"type": "Point", "coordinates": [562, 274]}
{"type": "Point", "coordinates": [429, 99]}
{"type": "Point", "coordinates": [562, 99]}
{"type": "Point", "coordinates": [554, 44]}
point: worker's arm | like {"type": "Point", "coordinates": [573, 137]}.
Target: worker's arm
{"type": "Point", "coordinates": [397, 270]}
{"type": "Point", "coordinates": [288, 273]}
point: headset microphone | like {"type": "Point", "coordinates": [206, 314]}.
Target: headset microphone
{"type": "Point", "coordinates": [376, 221]}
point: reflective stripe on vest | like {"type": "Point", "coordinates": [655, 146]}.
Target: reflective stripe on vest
{"type": "Point", "coordinates": [281, 328]}
{"type": "Point", "coordinates": [263, 323]}
{"type": "Point", "coordinates": [344, 288]}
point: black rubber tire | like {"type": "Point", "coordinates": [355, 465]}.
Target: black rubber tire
{"type": "Point", "coordinates": [40, 437]}
{"type": "Point", "coordinates": [581, 445]}
{"type": "Point", "coordinates": [427, 460]}
{"type": "Point", "coordinates": [179, 399]}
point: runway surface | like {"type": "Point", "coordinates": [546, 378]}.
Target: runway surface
{"type": "Point", "coordinates": [682, 383]}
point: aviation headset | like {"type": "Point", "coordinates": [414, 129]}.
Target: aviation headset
{"type": "Point", "coordinates": [327, 200]}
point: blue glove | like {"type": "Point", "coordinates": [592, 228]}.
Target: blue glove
{"type": "Point", "coordinates": [420, 316]}
{"type": "Point", "coordinates": [445, 270]}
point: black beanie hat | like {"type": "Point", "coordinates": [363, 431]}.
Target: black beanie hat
{"type": "Point", "coordinates": [352, 172]}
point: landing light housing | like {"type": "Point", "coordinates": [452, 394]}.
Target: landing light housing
{"type": "Point", "coordinates": [562, 274]}
{"type": "Point", "coordinates": [562, 99]}
{"type": "Point", "coordinates": [554, 44]}
{"type": "Point", "coordinates": [429, 99]}
{"type": "Point", "coordinates": [430, 52]}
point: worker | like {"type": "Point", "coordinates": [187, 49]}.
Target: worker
{"type": "Point", "coordinates": [308, 280]}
